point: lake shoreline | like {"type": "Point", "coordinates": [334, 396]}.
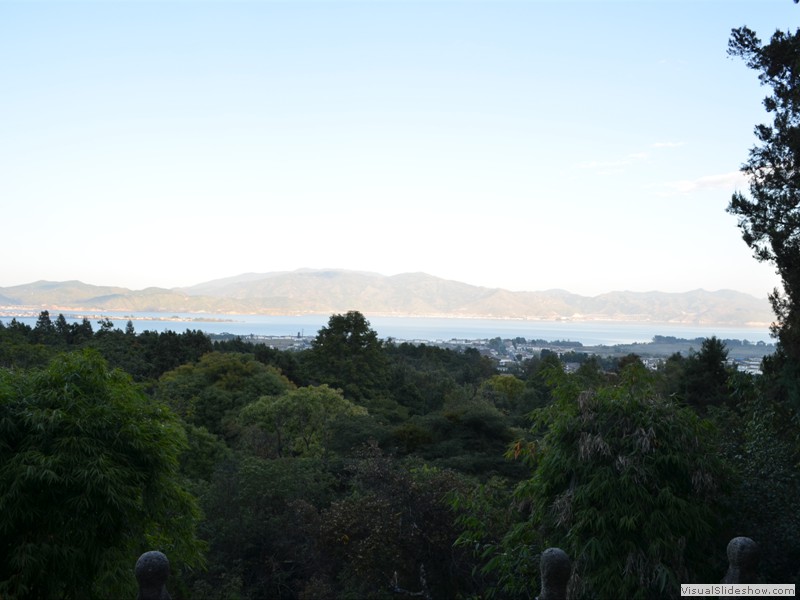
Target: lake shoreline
{"type": "Point", "coordinates": [413, 329]}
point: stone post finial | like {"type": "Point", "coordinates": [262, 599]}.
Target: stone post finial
{"type": "Point", "coordinates": [555, 568]}
{"type": "Point", "coordinates": [743, 557]}
{"type": "Point", "coordinates": [152, 572]}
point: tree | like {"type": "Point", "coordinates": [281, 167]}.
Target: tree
{"type": "Point", "coordinates": [285, 361]}
{"type": "Point", "coordinates": [760, 443]}
{"type": "Point", "coordinates": [18, 349]}
{"type": "Point", "coordinates": [469, 434]}
{"type": "Point", "coordinates": [62, 328]}
{"type": "Point", "coordinates": [348, 355]}
{"type": "Point", "coordinates": [503, 390]}
{"type": "Point", "coordinates": [218, 386]}
{"type": "Point", "coordinates": [705, 376]}
{"type": "Point", "coordinates": [626, 482]}
{"type": "Point", "coordinates": [394, 522]}
{"type": "Point", "coordinates": [88, 481]}
{"type": "Point", "coordinates": [81, 333]}
{"type": "Point", "coordinates": [167, 350]}
{"type": "Point", "coordinates": [262, 519]}
{"type": "Point", "coordinates": [507, 393]}
{"type": "Point", "coordinates": [44, 331]}
{"type": "Point", "coordinates": [770, 217]}
{"type": "Point", "coordinates": [300, 420]}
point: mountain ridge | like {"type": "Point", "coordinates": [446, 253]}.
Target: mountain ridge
{"type": "Point", "coordinates": [326, 291]}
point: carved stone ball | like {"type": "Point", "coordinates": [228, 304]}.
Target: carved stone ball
{"type": "Point", "coordinates": [152, 572]}
{"type": "Point", "coordinates": [555, 568]}
{"type": "Point", "coordinates": [743, 557]}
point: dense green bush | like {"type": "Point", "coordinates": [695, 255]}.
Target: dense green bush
{"type": "Point", "coordinates": [88, 481]}
{"type": "Point", "coordinates": [626, 482]}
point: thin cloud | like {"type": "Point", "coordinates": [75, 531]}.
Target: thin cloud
{"type": "Point", "coordinates": [724, 181]}
{"type": "Point", "coordinates": [604, 167]}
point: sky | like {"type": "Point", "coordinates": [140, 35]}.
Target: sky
{"type": "Point", "coordinates": [527, 145]}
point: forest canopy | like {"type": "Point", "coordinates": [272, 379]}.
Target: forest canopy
{"type": "Point", "coordinates": [261, 474]}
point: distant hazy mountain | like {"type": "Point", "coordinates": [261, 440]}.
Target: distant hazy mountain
{"type": "Point", "coordinates": [410, 294]}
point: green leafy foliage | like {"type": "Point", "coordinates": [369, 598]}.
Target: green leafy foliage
{"type": "Point", "coordinates": [88, 480]}
{"type": "Point", "coordinates": [421, 376]}
{"type": "Point", "coordinates": [348, 355]}
{"type": "Point", "coordinates": [300, 421]}
{"type": "Point", "coordinates": [162, 352]}
{"type": "Point", "coordinates": [701, 379]}
{"type": "Point", "coordinates": [508, 394]}
{"type": "Point", "coordinates": [760, 442]}
{"type": "Point", "coordinates": [484, 515]}
{"type": "Point", "coordinates": [470, 435]}
{"type": "Point", "coordinates": [203, 452]}
{"type": "Point", "coordinates": [146, 356]}
{"type": "Point", "coordinates": [286, 362]}
{"type": "Point", "coordinates": [770, 513]}
{"type": "Point", "coordinates": [319, 492]}
{"type": "Point", "coordinates": [626, 483]}
{"type": "Point", "coordinates": [395, 520]}
{"type": "Point", "coordinates": [17, 349]}
{"type": "Point", "coordinates": [262, 519]}
{"type": "Point", "coordinates": [217, 386]}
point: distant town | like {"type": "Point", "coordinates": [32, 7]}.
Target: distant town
{"type": "Point", "coordinates": [510, 354]}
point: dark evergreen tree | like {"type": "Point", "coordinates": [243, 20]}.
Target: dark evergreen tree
{"type": "Point", "coordinates": [770, 217]}
{"type": "Point", "coordinates": [18, 349]}
{"type": "Point", "coordinates": [165, 351]}
{"type": "Point", "coordinates": [285, 361]}
{"type": "Point", "coordinates": [44, 332]}
{"type": "Point", "coordinates": [82, 332]}
{"type": "Point", "coordinates": [63, 329]}
{"type": "Point", "coordinates": [348, 355]}
{"type": "Point", "coordinates": [705, 375]}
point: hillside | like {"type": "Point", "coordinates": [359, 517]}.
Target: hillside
{"type": "Point", "coordinates": [409, 294]}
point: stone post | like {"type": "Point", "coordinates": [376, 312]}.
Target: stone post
{"type": "Point", "coordinates": [743, 557]}
{"type": "Point", "coordinates": [152, 572]}
{"type": "Point", "coordinates": [555, 568]}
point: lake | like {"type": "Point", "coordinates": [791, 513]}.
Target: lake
{"type": "Point", "coordinates": [589, 333]}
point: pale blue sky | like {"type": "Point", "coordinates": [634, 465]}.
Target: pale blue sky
{"type": "Point", "coordinates": [589, 146]}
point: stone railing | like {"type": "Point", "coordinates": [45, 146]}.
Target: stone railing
{"type": "Point", "coordinates": [556, 568]}
{"type": "Point", "coordinates": [152, 571]}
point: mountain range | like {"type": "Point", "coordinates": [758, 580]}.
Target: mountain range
{"type": "Point", "coordinates": [329, 291]}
